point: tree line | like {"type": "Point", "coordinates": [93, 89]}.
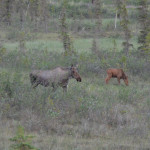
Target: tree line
{"type": "Point", "coordinates": [38, 13]}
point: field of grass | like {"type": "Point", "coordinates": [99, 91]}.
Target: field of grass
{"type": "Point", "coordinates": [68, 142]}
{"type": "Point", "coordinates": [81, 45]}
{"type": "Point", "coordinates": [91, 115]}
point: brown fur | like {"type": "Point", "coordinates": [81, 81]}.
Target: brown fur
{"type": "Point", "coordinates": [116, 73]}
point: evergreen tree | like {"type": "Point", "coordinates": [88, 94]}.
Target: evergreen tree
{"type": "Point", "coordinates": [94, 48]}
{"type": "Point", "coordinates": [98, 27]}
{"type": "Point", "coordinates": [98, 16]}
{"type": "Point", "coordinates": [6, 11]}
{"type": "Point", "coordinates": [67, 42]}
{"type": "Point", "coordinates": [22, 141]}
{"type": "Point", "coordinates": [124, 22]}
{"type": "Point", "coordinates": [144, 24]}
{"type": "Point", "coordinates": [147, 50]}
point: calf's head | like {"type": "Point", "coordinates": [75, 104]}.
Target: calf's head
{"type": "Point", "coordinates": [75, 74]}
{"type": "Point", "coordinates": [126, 80]}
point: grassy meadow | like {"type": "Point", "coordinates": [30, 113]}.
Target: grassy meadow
{"type": "Point", "coordinates": [81, 45]}
{"type": "Point", "coordinates": [91, 115]}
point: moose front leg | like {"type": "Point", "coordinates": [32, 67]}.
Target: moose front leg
{"type": "Point", "coordinates": [35, 85]}
{"type": "Point", "coordinates": [54, 87]}
{"type": "Point", "coordinates": [64, 85]}
{"type": "Point", "coordinates": [64, 89]}
{"type": "Point", "coordinates": [118, 78]}
{"type": "Point", "coordinates": [108, 78]}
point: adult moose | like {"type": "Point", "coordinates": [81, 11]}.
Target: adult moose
{"type": "Point", "coordinates": [56, 77]}
{"type": "Point", "coordinates": [116, 73]}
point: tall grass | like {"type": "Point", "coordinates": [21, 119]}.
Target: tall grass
{"type": "Point", "coordinates": [91, 114]}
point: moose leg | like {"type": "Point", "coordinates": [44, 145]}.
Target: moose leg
{"type": "Point", "coordinates": [64, 85]}
{"type": "Point", "coordinates": [118, 78]}
{"type": "Point", "coordinates": [54, 87]}
{"type": "Point", "coordinates": [64, 89]}
{"type": "Point", "coordinates": [108, 78]}
{"type": "Point", "coordinates": [126, 82]}
{"type": "Point", "coordinates": [35, 85]}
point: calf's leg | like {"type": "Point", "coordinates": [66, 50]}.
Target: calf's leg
{"type": "Point", "coordinates": [108, 78]}
{"type": "Point", "coordinates": [118, 78]}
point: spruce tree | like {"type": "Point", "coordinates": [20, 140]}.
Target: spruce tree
{"type": "Point", "coordinates": [98, 26]}
{"type": "Point", "coordinates": [144, 25]}
{"type": "Point", "coordinates": [124, 22]}
{"type": "Point", "coordinates": [22, 141]}
{"type": "Point", "coordinates": [98, 16]}
{"type": "Point", "coordinates": [67, 42]}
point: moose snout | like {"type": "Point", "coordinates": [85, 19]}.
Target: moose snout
{"type": "Point", "coordinates": [79, 79]}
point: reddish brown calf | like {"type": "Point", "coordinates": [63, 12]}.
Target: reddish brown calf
{"type": "Point", "coordinates": [116, 73]}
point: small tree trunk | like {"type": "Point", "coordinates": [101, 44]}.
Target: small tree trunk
{"type": "Point", "coordinates": [8, 13]}
{"type": "Point", "coordinates": [116, 19]}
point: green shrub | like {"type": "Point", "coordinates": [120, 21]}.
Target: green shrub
{"type": "Point", "coordinates": [22, 141]}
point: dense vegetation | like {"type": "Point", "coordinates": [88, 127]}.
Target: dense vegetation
{"type": "Point", "coordinates": [91, 115]}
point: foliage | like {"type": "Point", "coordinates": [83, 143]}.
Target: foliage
{"type": "Point", "coordinates": [124, 22]}
{"type": "Point", "coordinates": [90, 109]}
{"type": "Point", "coordinates": [148, 43]}
{"type": "Point", "coordinates": [67, 42]}
{"type": "Point", "coordinates": [2, 52]}
{"type": "Point", "coordinates": [22, 141]}
{"type": "Point", "coordinates": [98, 16]}
{"type": "Point", "coordinates": [9, 82]}
{"type": "Point", "coordinates": [22, 41]}
{"type": "Point", "coordinates": [95, 49]}
{"type": "Point", "coordinates": [144, 24]}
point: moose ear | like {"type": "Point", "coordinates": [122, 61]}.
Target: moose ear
{"type": "Point", "coordinates": [77, 65]}
{"type": "Point", "coordinates": [71, 65]}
